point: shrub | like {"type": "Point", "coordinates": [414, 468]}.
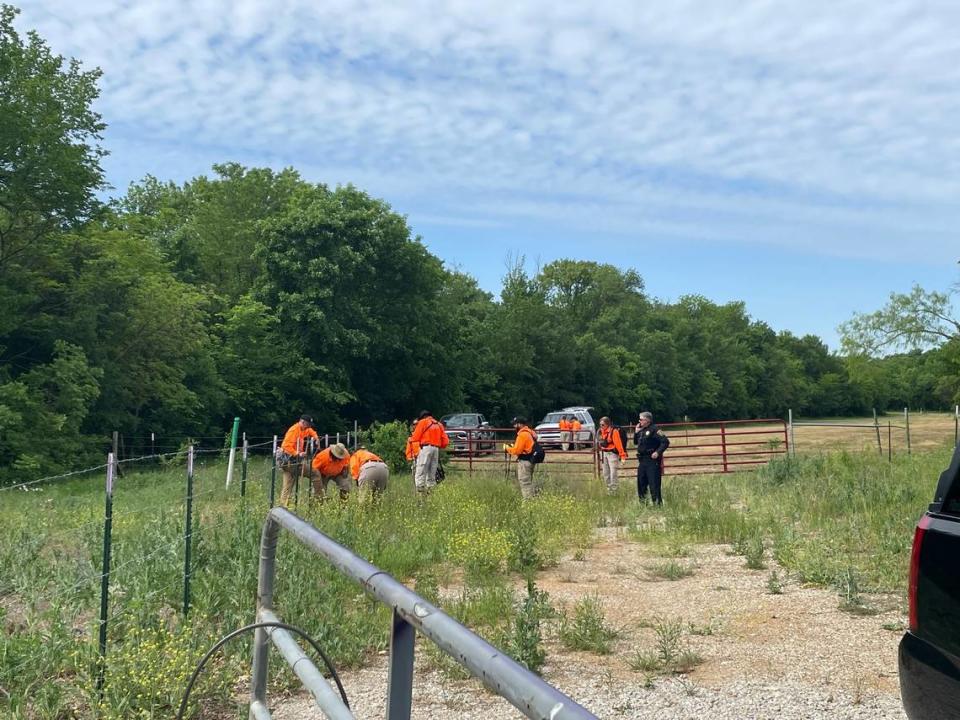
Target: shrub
{"type": "Point", "coordinates": [389, 441]}
{"type": "Point", "coordinates": [526, 641]}
{"type": "Point", "coordinates": [671, 654]}
{"type": "Point", "coordinates": [588, 629]}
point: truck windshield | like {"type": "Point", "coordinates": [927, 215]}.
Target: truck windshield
{"type": "Point", "coordinates": [462, 420]}
{"type": "Point", "coordinates": [553, 418]}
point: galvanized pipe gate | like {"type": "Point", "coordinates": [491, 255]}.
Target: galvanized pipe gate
{"type": "Point", "coordinates": [520, 687]}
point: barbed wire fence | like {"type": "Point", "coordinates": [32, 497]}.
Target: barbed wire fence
{"type": "Point", "coordinates": [123, 477]}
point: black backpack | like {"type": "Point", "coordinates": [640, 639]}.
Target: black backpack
{"type": "Point", "coordinates": [623, 436]}
{"type": "Point", "coordinates": [538, 455]}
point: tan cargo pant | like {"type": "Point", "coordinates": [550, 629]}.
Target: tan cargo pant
{"type": "Point", "coordinates": [373, 480]}
{"type": "Point", "coordinates": [566, 438]}
{"type": "Point", "coordinates": [528, 489]}
{"type": "Point", "coordinates": [291, 473]}
{"type": "Point", "coordinates": [610, 468]}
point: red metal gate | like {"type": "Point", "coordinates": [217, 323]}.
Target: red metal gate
{"type": "Point", "coordinates": [721, 446]}
{"type": "Point", "coordinates": [713, 446]}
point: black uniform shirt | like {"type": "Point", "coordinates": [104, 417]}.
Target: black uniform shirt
{"type": "Point", "coordinates": [650, 439]}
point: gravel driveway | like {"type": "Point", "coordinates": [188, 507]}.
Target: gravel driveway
{"type": "Point", "coordinates": [793, 655]}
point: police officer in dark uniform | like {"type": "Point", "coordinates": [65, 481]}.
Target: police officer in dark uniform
{"type": "Point", "coordinates": [650, 442]}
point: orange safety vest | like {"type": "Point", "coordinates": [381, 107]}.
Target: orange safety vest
{"type": "Point", "coordinates": [523, 445]}
{"type": "Point", "coordinates": [360, 458]}
{"type": "Point", "coordinates": [412, 449]}
{"type": "Point", "coordinates": [327, 465]}
{"type": "Point", "coordinates": [429, 432]}
{"type": "Point", "coordinates": [295, 441]}
{"type": "Point", "coordinates": [610, 441]}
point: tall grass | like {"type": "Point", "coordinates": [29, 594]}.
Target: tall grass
{"type": "Point", "coordinates": [49, 583]}
{"type": "Point", "coordinates": [823, 516]}
{"type": "Point", "coordinates": [841, 521]}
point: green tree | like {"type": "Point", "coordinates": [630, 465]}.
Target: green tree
{"type": "Point", "coordinates": [915, 320]}
{"type": "Point", "coordinates": [361, 297]}
{"type": "Point", "coordinates": [42, 414]}
{"type": "Point", "coordinates": [49, 151]}
{"type": "Point", "coordinates": [49, 173]}
{"type": "Point", "coordinates": [208, 228]}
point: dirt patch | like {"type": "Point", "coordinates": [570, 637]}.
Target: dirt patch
{"type": "Point", "coordinates": [741, 629]}
{"type": "Point", "coordinates": [792, 655]}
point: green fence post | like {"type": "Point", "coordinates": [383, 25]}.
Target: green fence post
{"type": "Point", "coordinates": [105, 573]}
{"type": "Point", "coordinates": [243, 467]}
{"type": "Point", "coordinates": [188, 534]}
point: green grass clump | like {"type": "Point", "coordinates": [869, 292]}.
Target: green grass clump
{"type": "Point", "coordinates": [670, 570]}
{"type": "Point", "coordinates": [587, 629]}
{"type": "Point", "coordinates": [670, 653]}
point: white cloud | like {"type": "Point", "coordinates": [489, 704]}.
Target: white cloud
{"type": "Point", "coordinates": [774, 119]}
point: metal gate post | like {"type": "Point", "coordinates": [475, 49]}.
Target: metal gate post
{"type": "Point", "coordinates": [400, 677]}
{"type": "Point", "coordinates": [723, 445]}
{"type": "Point", "coordinates": [268, 560]}
{"type": "Point", "coordinates": [793, 441]}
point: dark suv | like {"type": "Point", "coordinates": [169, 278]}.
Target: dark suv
{"type": "Point", "coordinates": [478, 440]}
{"type": "Point", "coordinates": [930, 649]}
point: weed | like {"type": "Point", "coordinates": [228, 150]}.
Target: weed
{"type": "Point", "coordinates": [706, 629]}
{"type": "Point", "coordinates": [896, 626]}
{"type": "Point", "coordinates": [523, 555]}
{"type": "Point", "coordinates": [851, 601]}
{"type": "Point", "coordinates": [645, 661]}
{"type": "Point", "coordinates": [755, 554]}
{"type": "Point", "coordinates": [526, 641]}
{"type": "Point", "coordinates": [689, 688]}
{"type": "Point", "coordinates": [774, 586]}
{"type": "Point", "coordinates": [669, 634]}
{"type": "Point", "coordinates": [587, 629]}
{"type": "Point", "coordinates": [669, 570]}
{"type": "Point", "coordinates": [580, 555]}
{"type": "Point", "coordinates": [670, 654]}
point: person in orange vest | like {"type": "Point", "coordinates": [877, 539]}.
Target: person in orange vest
{"type": "Point", "coordinates": [575, 430]}
{"type": "Point", "coordinates": [293, 450]}
{"type": "Point", "coordinates": [522, 449]}
{"type": "Point", "coordinates": [370, 472]}
{"type": "Point", "coordinates": [331, 465]}
{"type": "Point", "coordinates": [612, 453]}
{"type": "Point", "coordinates": [566, 427]}
{"type": "Point", "coordinates": [431, 438]}
{"type": "Point", "coordinates": [411, 451]}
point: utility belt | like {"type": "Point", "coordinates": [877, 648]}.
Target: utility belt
{"type": "Point", "coordinates": [285, 458]}
{"type": "Point", "coordinates": [646, 455]}
{"type": "Point", "coordinates": [608, 450]}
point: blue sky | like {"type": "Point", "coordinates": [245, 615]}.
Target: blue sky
{"type": "Point", "coordinates": [802, 156]}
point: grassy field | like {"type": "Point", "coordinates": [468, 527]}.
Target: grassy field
{"type": "Point", "coordinates": [837, 520]}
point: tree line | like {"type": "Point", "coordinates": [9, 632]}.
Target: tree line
{"type": "Point", "coordinates": [254, 292]}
